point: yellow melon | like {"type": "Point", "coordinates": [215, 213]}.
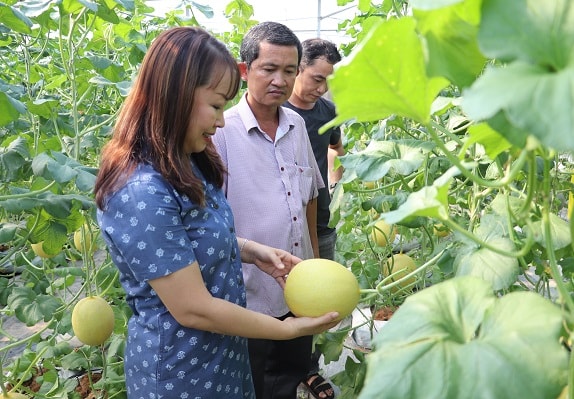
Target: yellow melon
{"type": "Point", "coordinates": [399, 265]}
{"type": "Point", "coordinates": [80, 239]}
{"type": "Point", "coordinates": [38, 249]}
{"type": "Point", "coordinates": [93, 320]}
{"type": "Point", "coordinates": [14, 395]}
{"type": "Point", "coordinates": [383, 233]}
{"type": "Point", "coordinates": [318, 286]}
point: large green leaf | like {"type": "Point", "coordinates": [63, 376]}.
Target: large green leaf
{"type": "Point", "coordinates": [534, 93]}
{"type": "Point", "coordinates": [451, 38]}
{"type": "Point", "coordinates": [458, 340]}
{"type": "Point", "coordinates": [384, 75]}
{"type": "Point", "coordinates": [533, 31]}
{"type": "Point", "coordinates": [530, 98]}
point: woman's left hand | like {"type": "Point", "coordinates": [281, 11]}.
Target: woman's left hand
{"type": "Point", "coordinates": [275, 262]}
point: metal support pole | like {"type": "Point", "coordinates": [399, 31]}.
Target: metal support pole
{"type": "Point", "coordinates": [319, 18]}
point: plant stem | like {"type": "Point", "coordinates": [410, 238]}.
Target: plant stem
{"type": "Point", "coordinates": [513, 168]}
{"type": "Point", "coordinates": [28, 194]}
{"type": "Point", "coordinates": [32, 364]}
{"type": "Point", "coordinates": [483, 244]}
{"type": "Point", "coordinates": [382, 287]}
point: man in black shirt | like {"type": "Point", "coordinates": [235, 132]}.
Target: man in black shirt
{"type": "Point", "coordinates": [307, 99]}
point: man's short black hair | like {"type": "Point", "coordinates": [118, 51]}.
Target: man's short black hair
{"type": "Point", "coordinates": [271, 32]}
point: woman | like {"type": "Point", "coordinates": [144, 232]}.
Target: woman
{"type": "Point", "coordinates": [170, 230]}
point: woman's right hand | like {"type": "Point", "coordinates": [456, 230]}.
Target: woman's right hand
{"type": "Point", "coordinates": [312, 325]}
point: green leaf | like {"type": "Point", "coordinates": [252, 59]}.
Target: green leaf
{"type": "Point", "coordinates": [330, 344]}
{"type": "Point", "coordinates": [43, 107]}
{"type": "Point", "coordinates": [7, 232]}
{"type": "Point", "coordinates": [379, 158]}
{"type": "Point", "coordinates": [31, 308]}
{"type": "Point", "coordinates": [54, 349]}
{"type": "Point", "coordinates": [5, 290]}
{"type": "Point", "coordinates": [351, 379]}
{"type": "Point", "coordinates": [50, 169]}
{"type": "Point", "coordinates": [531, 99]}
{"type": "Point", "coordinates": [71, 7]}
{"type": "Point", "coordinates": [559, 231]}
{"type": "Point", "coordinates": [531, 95]}
{"type": "Point", "coordinates": [12, 159]}
{"type": "Point", "coordinates": [430, 201]}
{"type": "Point", "coordinates": [33, 9]}
{"type": "Point", "coordinates": [76, 360]}
{"type": "Point", "coordinates": [129, 5]}
{"type": "Point", "coordinates": [10, 108]}
{"type": "Point", "coordinates": [384, 75]}
{"type": "Point", "coordinates": [532, 31]}
{"type": "Point", "coordinates": [13, 19]}
{"type": "Point", "coordinates": [59, 206]}
{"type": "Point", "coordinates": [204, 9]}
{"type": "Point", "coordinates": [63, 169]}
{"type": "Point", "coordinates": [499, 270]}
{"type": "Point", "coordinates": [106, 13]}
{"type": "Point", "coordinates": [458, 340]}
{"type": "Point", "coordinates": [506, 206]}
{"type": "Point", "coordinates": [451, 37]}
{"type": "Point", "coordinates": [492, 141]}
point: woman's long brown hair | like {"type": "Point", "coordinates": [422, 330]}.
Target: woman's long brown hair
{"type": "Point", "coordinates": [154, 119]}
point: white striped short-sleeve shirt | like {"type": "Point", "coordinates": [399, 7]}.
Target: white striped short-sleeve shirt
{"type": "Point", "coordinates": [268, 187]}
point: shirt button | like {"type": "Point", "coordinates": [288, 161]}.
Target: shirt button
{"type": "Point", "coordinates": [296, 244]}
{"type": "Point", "coordinates": [282, 168]}
{"type": "Point", "coordinates": [239, 280]}
{"type": "Point", "coordinates": [231, 229]}
{"type": "Point", "coordinates": [288, 192]}
{"type": "Point", "coordinates": [215, 206]}
{"type": "Point", "coordinates": [295, 219]}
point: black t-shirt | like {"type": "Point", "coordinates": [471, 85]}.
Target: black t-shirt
{"type": "Point", "coordinates": [320, 114]}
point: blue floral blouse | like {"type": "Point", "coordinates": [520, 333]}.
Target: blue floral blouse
{"type": "Point", "coordinates": [151, 231]}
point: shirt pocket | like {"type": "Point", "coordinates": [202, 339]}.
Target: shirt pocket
{"type": "Point", "coordinates": [305, 175]}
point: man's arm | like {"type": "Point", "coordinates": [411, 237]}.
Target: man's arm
{"type": "Point", "coordinates": [334, 151]}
